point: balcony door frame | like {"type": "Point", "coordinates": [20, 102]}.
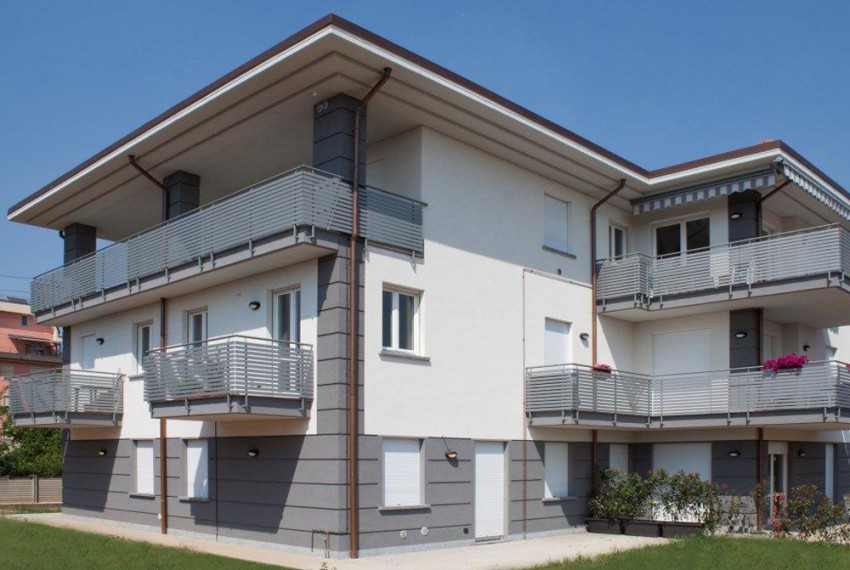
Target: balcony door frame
{"type": "Point", "coordinates": [682, 222]}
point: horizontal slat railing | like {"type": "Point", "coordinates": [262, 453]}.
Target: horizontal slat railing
{"type": "Point", "coordinates": [230, 366]}
{"type": "Point", "coordinates": [66, 391]}
{"type": "Point", "coordinates": [792, 255]}
{"type": "Point", "coordinates": [572, 388]}
{"type": "Point", "coordinates": [303, 197]}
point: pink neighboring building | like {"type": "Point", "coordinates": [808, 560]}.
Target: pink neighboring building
{"type": "Point", "coordinates": [25, 346]}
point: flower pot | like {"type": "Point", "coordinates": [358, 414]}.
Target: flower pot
{"type": "Point", "coordinates": [637, 527]}
{"type": "Point", "coordinates": [604, 526]}
{"type": "Point", "coordinates": [679, 529]}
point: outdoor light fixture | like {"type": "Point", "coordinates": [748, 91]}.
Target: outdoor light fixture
{"type": "Point", "coordinates": [584, 336]}
{"type": "Point", "coordinates": [734, 453]}
{"type": "Point", "coordinates": [101, 452]}
{"type": "Point", "coordinates": [741, 334]}
{"type": "Point", "coordinates": [254, 305]}
{"type": "Point", "coordinates": [735, 215]}
{"type": "Point", "coordinates": [801, 453]}
{"type": "Point", "coordinates": [451, 455]}
{"type": "Point", "coordinates": [806, 348]}
{"type": "Point", "coordinates": [99, 340]}
{"type": "Point", "coordinates": [253, 452]}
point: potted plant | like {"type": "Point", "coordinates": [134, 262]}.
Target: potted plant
{"type": "Point", "coordinates": [599, 368]}
{"type": "Point", "coordinates": [635, 493]}
{"type": "Point", "coordinates": [604, 504]}
{"type": "Point", "coordinates": [688, 504]}
{"type": "Point", "coordinates": [785, 363]}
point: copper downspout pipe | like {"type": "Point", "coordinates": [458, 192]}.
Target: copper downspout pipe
{"type": "Point", "coordinates": [163, 433]}
{"type": "Point", "coordinates": [353, 491]}
{"type": "Point", "coordinates": [593, 310]}
{"type": "Point", "coordinates": [146, 174]}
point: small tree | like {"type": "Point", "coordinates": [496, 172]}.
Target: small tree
{"type": "Point", "coordinates": [27, 451]}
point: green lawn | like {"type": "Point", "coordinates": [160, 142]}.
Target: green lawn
{"type": "Point", "coordinates": [26, 545]}
{"type": "Point", "coordinates": [718, 553]}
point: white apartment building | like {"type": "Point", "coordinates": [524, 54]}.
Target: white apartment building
{"type": "Point", "coordinates": [211, 386]}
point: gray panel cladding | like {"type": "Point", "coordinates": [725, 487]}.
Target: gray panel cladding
{"type": "Point", "coordinates": [735, 474]}
{"type": "Point", "coordinates": [333, 136]}
{"type": "Point", "coordinates": [842, 471]}
{"type": "Point", "coordinates": [744, 207]}
{"type": "Point", "coordinates": [79, 240]}
{"type": "Point", "coordinates": [744, 351]}
{"type": "Point", "coordinates": [807, 465]}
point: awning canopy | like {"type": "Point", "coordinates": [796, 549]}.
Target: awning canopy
{"type": "Point", "coordinates": [816, 190]}
{"type": "Point", "coordinates": [33, 338]}
{"type": "Point", "coordinates": [753, 181]}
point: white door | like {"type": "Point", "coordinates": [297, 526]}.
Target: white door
{"type": "Point", "coordinates": [556, 343]}
{"type": "Point", "coordinates": [89, 346]}
{"type": "Point", "coordinates": [489, 489]}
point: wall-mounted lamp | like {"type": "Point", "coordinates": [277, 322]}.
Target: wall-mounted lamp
{"type": "Point", "coordinates": [99, 340]}
{"type": "Point", "coordinates": [253, 452]}
{"type": "Point", "coordinates": [741, 334]}
{"type": "Point", "coordinates": [584, 336]}
{"type": "Point", "coordinates": [734, 453]}
{"type": "Point", "coordinates": [735, 216]}
{"type": "Point", "coordinates": [254, 305]}
{"type": "Point", "coordinates": [451, 455]}
{"type": "Point", "coordinates": [801, 453]}
{"type": "Point", "coordinates": [806, 348]}
{"type": "Point", "coordinates": [101, 452]}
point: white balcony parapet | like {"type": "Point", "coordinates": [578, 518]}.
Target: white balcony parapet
{"type": "Point", "coordinates": [572, 392]}
{"type": "Point", "coordinates": [737, 265]}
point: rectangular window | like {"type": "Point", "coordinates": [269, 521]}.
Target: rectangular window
{"type": "Point", "coordinates": [196, 326]}
{"type": "Point", "coordinates": [143, 345]}
{"type": "Point", "coordinates": [197, 469]}
{"type": "Point", "coordinates": [402, 472]}
{"type": "Point", "coordinates": [143, 468]}
{"type": "Point", "coordinates": [693, 234]}
{"type": "Point", "coordinates": [400, 321]}
{"type": "Point", "coordinates": [8, 370]}
{"type": "Point", "coordinates": [25, 320]}
{"type": "Point", "coordinates": [617, 241]}
{"type": "Point", "coordinates": [88, 357]}
{"type": "Point", "coordinates": [287, 315]}
{"type": "Point", "coordinates": [556, 343]}
{"type": "Point", "coordinates": [556, 224]}
{"type": "Point", "coordinates": [556, 469]}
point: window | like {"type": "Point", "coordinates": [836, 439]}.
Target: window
{"type": "Point", "coordinates": [555, 222]}
{"type": "Point", "coordinates": [617, 241]}
{"type": "Point", "coordinates": [25, 320]}
{"type": "Point", "coordinates": [196, 326]}
{"type": "Point", "coordinates": [197, 469]}
{"type": "Point", "coordinates": [143, 345]}
{"type": "Point", "coordinates": [8, 370]}
{"type": "Point", "coordinates": [556, 469]}
{"type": "Point", "coordinates": [287, 315]}
{"type": "Point", "coordinates": [556, 349]}
{"type": "Point", "coordinates": [89, 347]}
{"type": "Point", "coordinates": [693, 234]}
{"type": "Point", "coordinates": [402, 472]}
{"type": "Point", "coordinates": [400, 321]}
{"type": "Point", "coordinates": [143, 468]}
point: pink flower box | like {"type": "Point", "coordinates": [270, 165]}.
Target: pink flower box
{"type": "Point", "coordinates": [785, 362]}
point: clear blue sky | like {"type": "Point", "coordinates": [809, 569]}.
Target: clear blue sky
{"type": "Point", "coordinates": [656, 82]}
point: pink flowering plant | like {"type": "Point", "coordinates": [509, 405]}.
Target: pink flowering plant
{"type": "Point", "coordinates": [597, 367]}
{"type": "Point", "coordinates": [785, 362]}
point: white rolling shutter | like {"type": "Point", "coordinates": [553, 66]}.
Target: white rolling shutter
{"type": "Point", "coordinates": [618, 457]}
{"type": "Point", "coordinates": [681, 352]}
{"type": "Point", "coordinates": [144, 468]}
{"type": "Point", "coordinates": [555, 223]}
{"type": "Point", "coordinates": [489, 489]}
{"type": "Point", "coordinates": [687, 457]}
{"type": "Point", "coordinates": [197, 469]}
{"type": "Point", "coordinates": [556, 342]}
{"type": "Point", "coordinates": [556, 469]}
{"type": "Point", "coordinates": [402, 472]}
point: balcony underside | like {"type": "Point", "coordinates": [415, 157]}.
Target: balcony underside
{"type": "Point", "coordinates": [69, 420]}
{"type": "Point", "coordinates": [231, 408]}
{"type": "Point", "coordinates": [787, 301]}
{"type": "Point", "coordinates": [247, 259]}
{"type": "Point", "coordinates": [819, 419]}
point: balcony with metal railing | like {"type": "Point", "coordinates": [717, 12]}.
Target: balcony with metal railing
{"type": "Point", "coordinates": [65, 398]}
{"type": "Point", "coordinates": [573, 394]}
{"type": "Point", "coordinates": [230, 377]}
{"type": "Point", "coordinates": [787, 263]}
{"type": "Point", "coordinates": [285, 219]}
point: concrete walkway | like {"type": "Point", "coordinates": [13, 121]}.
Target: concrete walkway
{"type": "Point", "coordinates": [501, 555]}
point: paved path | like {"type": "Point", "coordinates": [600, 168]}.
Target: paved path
{"type": "Point", "coordinates": [502, 555]}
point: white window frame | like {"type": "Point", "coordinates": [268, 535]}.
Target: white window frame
{"type": "Point", "coordinates": [189, 318]}
{"type": "Point", "coordinates": [612, 229]}
{"type": "Point", "coordinates": [139, 353]}
{"type": "Point", "coordinates": [556, 474]}
{"type": "Point", "coordinates": [138, 488]}
{"type": "Point", "coordinates": [295, 317]}
{"type": "Point", "coordinates": [388, 493]}
{"type": "Point", "coordinates": [561, 247]}
{"type": "Point", "coordinates": [394, 320]}
{"type": "Point", "coordinates": [683, 231]}
{"type": "Point", "coordinates": [191, 490]}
